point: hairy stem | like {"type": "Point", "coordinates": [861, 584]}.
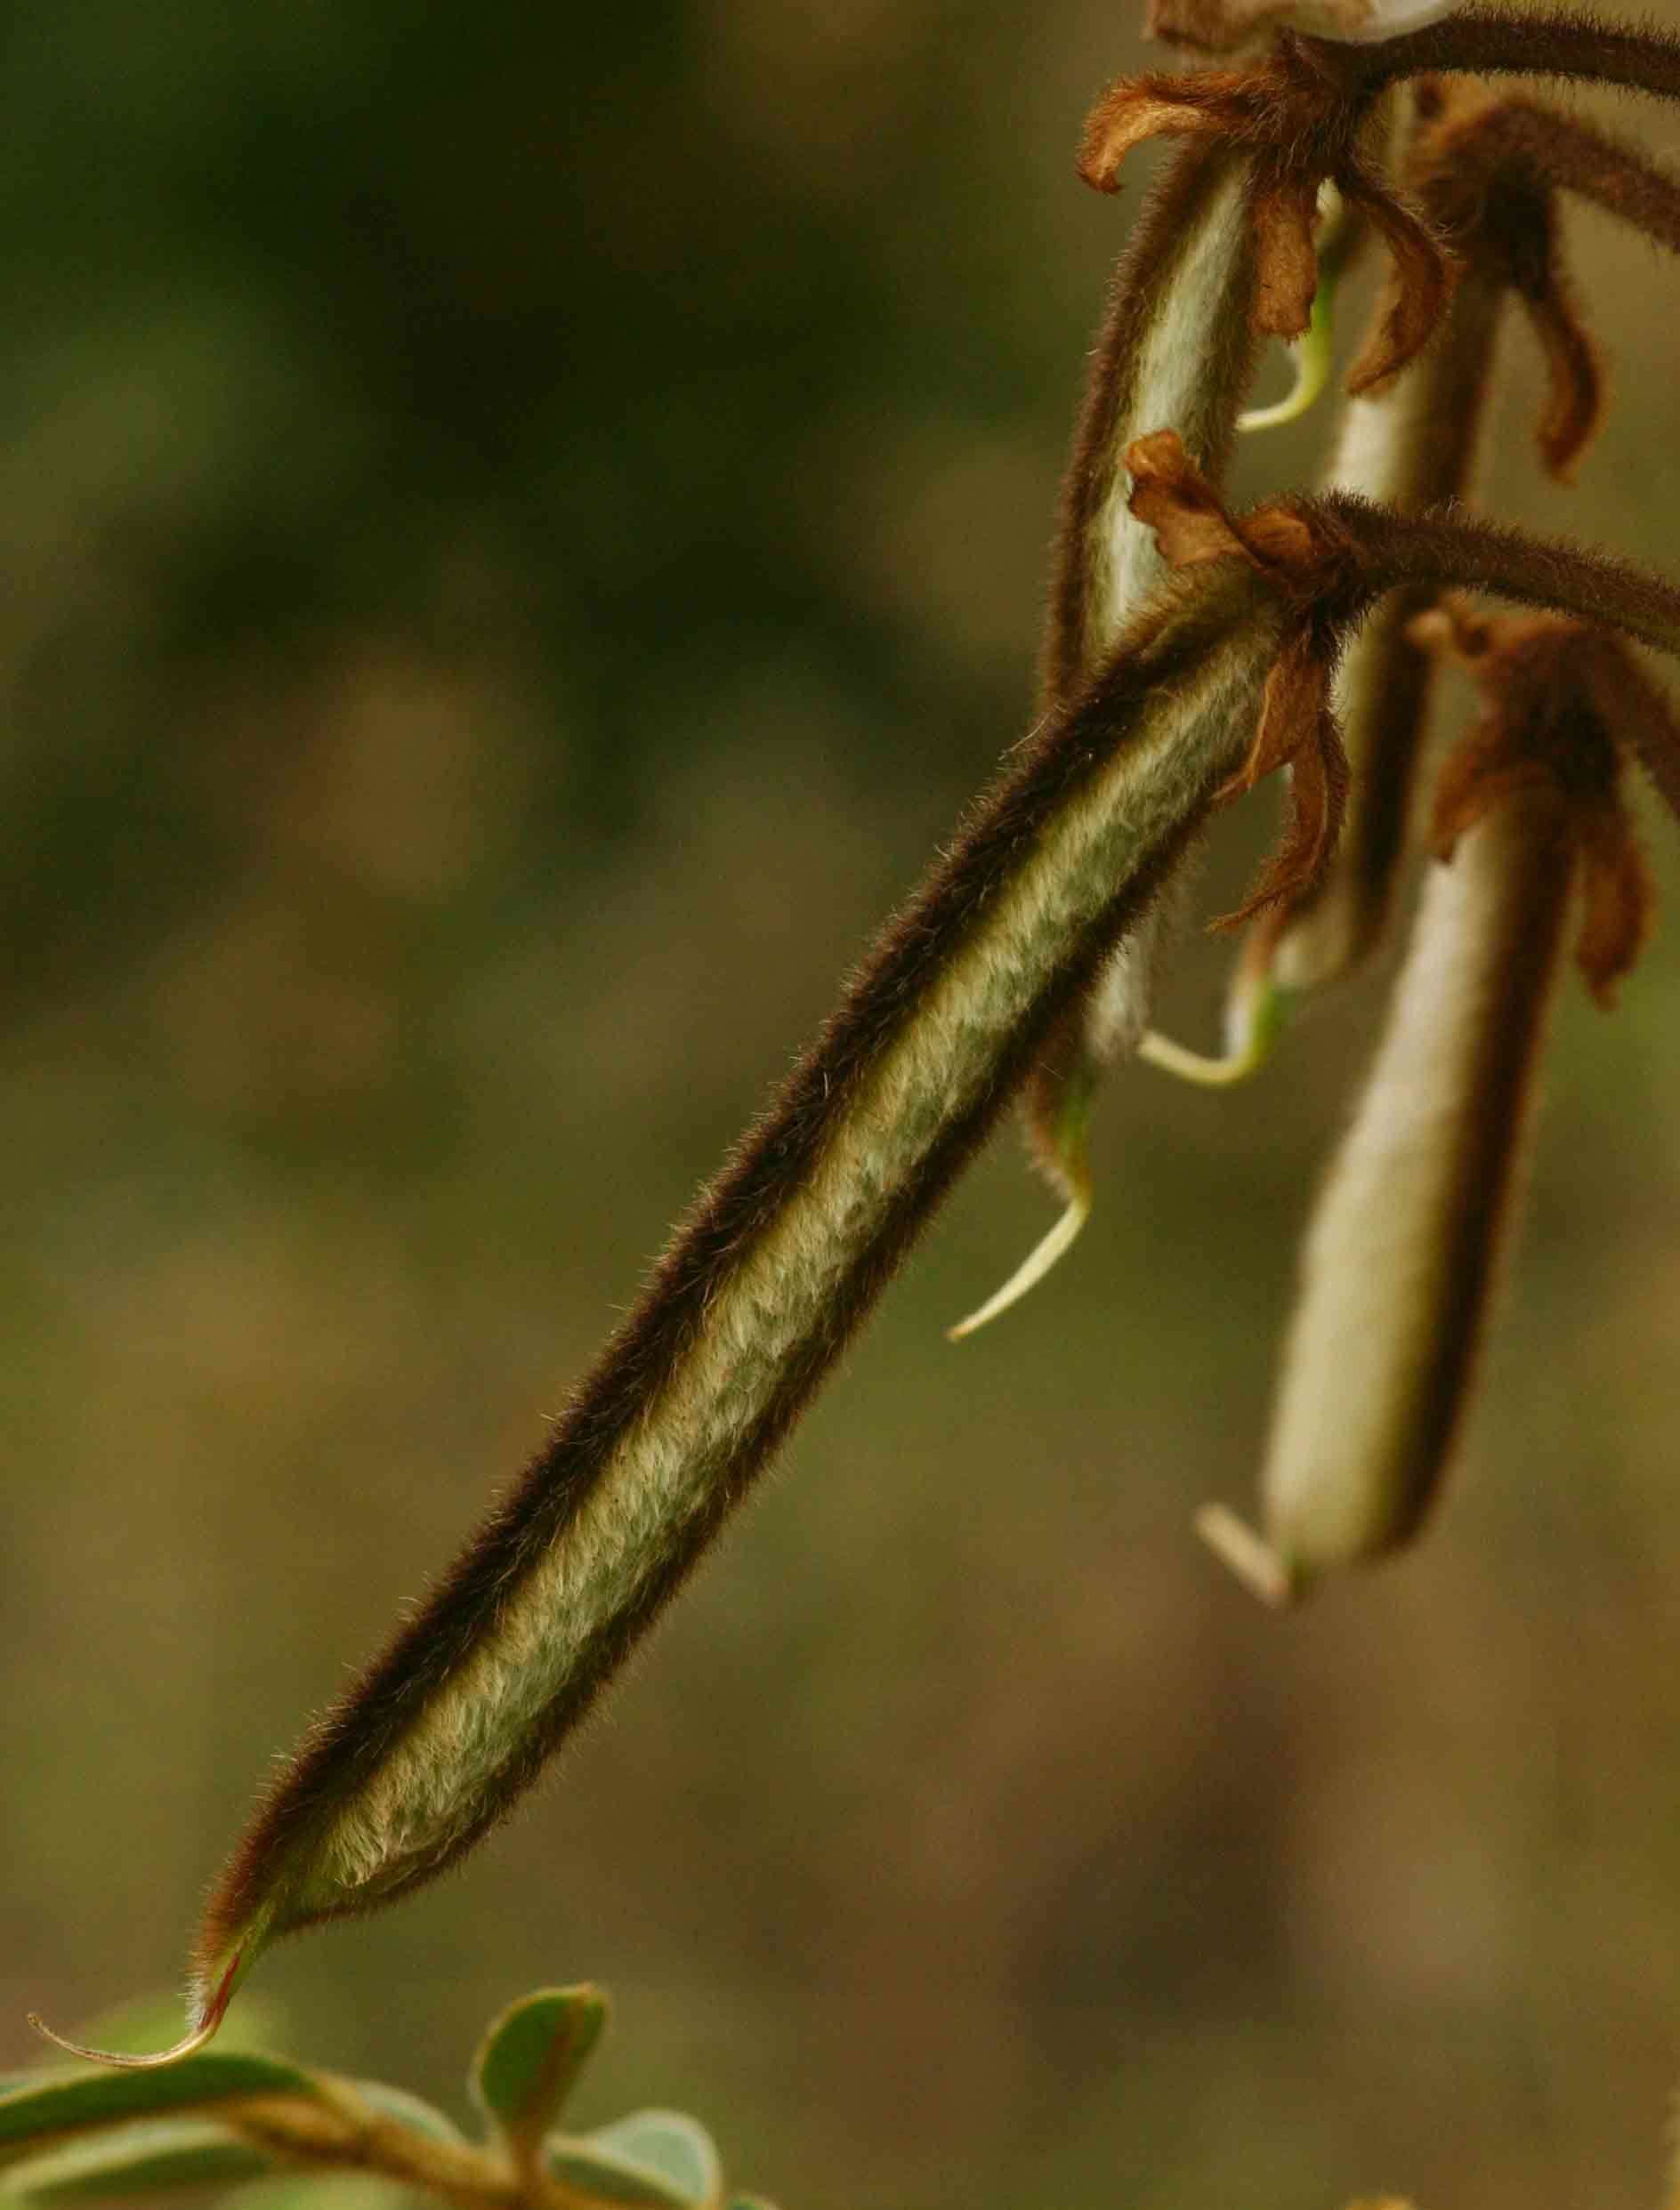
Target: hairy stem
{"type": "Point", "coordinates": [1497, 42]}
{"type": "Point", "coordinates": [1448, 550]}
{"type": "Point", "coordinates": [1561, 149]}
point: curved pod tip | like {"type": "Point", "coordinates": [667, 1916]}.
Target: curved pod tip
{"type": "Point", "coordinates": [211, 2011]}
{"type": "Point", "coordinates": [1262, 1572]}
{"type": "Point", "coordinates": [1032, 1268]}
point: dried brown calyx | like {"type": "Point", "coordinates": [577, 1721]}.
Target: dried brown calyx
{"type": "Point", "coordinates": [1300, 550]}
{"type": "Point", "coordinates": [1553, 691]}
{"type": "Point", "coordinates": [1299, 111]}
{"type": "Point", "coordinates": [1491, 170]}
{"type": "Point", "coordinates": [1292, 112]}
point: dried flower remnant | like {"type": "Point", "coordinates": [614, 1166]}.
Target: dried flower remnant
{"type": "Point", "coordinates": [1297, 112]}
{"type": "Point", "coordinates": [1224, 252]}
{"type": "Point", "coordinates": [1416, 446]}
{"type": "Point", "coordinates": [1402, 1253]}
{"type": "Point", "coordinates": [1286, 113]}
{"type": "Point", "coordinates": [1490, 170]}
{"type": "Point", "coordinates": [1300, 548]}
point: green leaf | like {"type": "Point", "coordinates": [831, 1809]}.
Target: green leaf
{"type": "Point", "coordinates": [596, 2171]}
{"type": "Point", "coordinates": [147, 2156]}
{"type": "Point", "coordinates": [529, 2062]}
{"type": "Point", "coordinates": [750, 2202]}
{"type": "Point", "coordinates": [410, 2110]}
{"type": "Point", "coordinates": [671, 2145]}
{"type": "Point", "coordinates": [32, 2116]}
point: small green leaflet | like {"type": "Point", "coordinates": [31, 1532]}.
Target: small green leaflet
{"type": "Point", "coordinates": [529, 2060]}
{"type": "Point", "coordinates": [35, 2117]}
{"type": "Point", "coordinates": [145, 2156]}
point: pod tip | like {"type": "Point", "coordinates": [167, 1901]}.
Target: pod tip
{"type": "Point", "coordinates": [1256, 1564]}
{"type": "Point", "coordinates": [1031, 1271]}
{"type": "Point", "coordinates": [210, 2017]}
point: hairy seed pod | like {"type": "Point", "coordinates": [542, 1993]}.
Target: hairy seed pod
{"type": "Point", "coordinates": [761, 1287]}
{"type": "Point", "coordinates": [1401, 1252]}
{"type": "Point", "coordinates": [1405, 1242]}
{"type": "Point", "coordinates": [783, 1256]}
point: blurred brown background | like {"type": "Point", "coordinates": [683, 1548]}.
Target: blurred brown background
{"type": "Point", "coordinates": [521, 529]}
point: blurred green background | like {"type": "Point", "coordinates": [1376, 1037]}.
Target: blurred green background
{"type": "Point", "coordinates": [521, 528]}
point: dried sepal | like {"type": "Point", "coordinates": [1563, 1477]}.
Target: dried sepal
{"type": "Point", "coordinates": [1293, 113]}
{"type": "Point", "coordinates": [1283, 206]}
{"type": "Point", "coordinates": [1297, 727]}
{"type": "Point", "coordinates": [1640, 713]}
{"type": "Point", "coordinates": [1551, 689]}
{"type": "Point", "coordinates": [1297, 731]}
{"type": "Point", "coordinates": [1292, 543]}
{"type": "Point", "coordinates": [1482, 166]}
{"type": "Point", "coordinates": [1575, 380]}
{"type": "Point", "coordinates": [1170, 496]}
{"type": "Point", "coordinates": [1318, 801]}
{"type": "Point", "coordinates": [1618, 902]}
{"type": "Point", "coordinates": [1419, 283]}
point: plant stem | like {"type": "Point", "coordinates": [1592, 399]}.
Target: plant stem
{"type": "Point", "coordinates": [1445, 548]}
{"type": "Point", "coordinates": [341, 2133]}
{"type": "Point", "coordinates": [1490, 42]}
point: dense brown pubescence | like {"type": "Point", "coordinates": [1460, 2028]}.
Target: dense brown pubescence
{"type": "Point", "coordinates": [1482, 168]}
{"type": "Point", "coordinates": [1478, 165]}
{"type": "Point", "coordinates": [1495, 41]}
{"type": "Point", "coordinates": [881, 1003]}
{"type": "Point", "coordinates": [1455, 551]}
